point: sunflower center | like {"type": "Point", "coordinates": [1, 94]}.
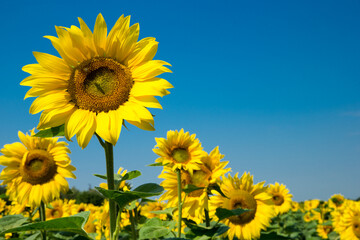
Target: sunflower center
{"type": "Point", "coordinates": [100, 84]}
{"type": "Point", "coordinates": [356, 227]}
{"type": "Point", "coordinates": [278, 199]}
{"type": "Point", "coordinates": [242, 199]}
{"type": "Point", "coordinates": [38, 167]}
{"type": "Point", "coordinates": [56, 213]}
{"type": "Point", "coordinates": [180, 155]}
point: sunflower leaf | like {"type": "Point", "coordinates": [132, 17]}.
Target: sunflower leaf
{"type": "Point", "coordinates": [11, 221]}
{"type": "Point", "coordinates": [223, 213]}
{"type": "Point", "coordinates": [165, 211]}
{"type": "Point", "coordinates": [123, 198]}
{"type": "Point", "coordinates": [215, 229]}
{"type": "Point", "coordinates": [191, 188]}
{"type": "Point", "coordinates": [216, 187]}
{"type": "Point", "coordinates": [52, 132]}
{"type": "Point", "coordinates": [73, 224]}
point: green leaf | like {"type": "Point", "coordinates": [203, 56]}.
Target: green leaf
{"type": "Point", "coordinates": [215, 229]}
{"type": "Point", "coordinates": [216, 187]}
{"type": "Point", "coordinates": [159, 164]}
{"type": "Point", "coordinates": [73, 224]}
{"type": "Point", "coordinates": [101, 176]}
{"type": "Point", "coordinates": [223, 213]}
{"type": "Point", "coordinates": [155, 228]}
{"type": "Point", "coordinates": [131, 175]}
{"type": "Point", "coordinates": [191, 188]}
{"type": "Point", "coordinates": [165, 211]}
{"type": "Point", "coordinates": [11, 221]}
{"type": "Point", "coordinates": [52, 132]}
{"type": "Point", "coordinates": [34, 236]}
{"type": "Point", "coordinates": [272, 236]}
{"type": "Point", "coordinates": [123, 198]}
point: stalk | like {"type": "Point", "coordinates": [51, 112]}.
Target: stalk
{"type": "Point", "coordinates": [111, 186]}
{"type": "Point", "coordinates": [42, 218]}
{"type": "Point", "coordinates": [178, 173]}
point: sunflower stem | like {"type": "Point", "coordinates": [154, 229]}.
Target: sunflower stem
{"type": "Point", "coordinates": [111, 186]}
{"type": "Point", "coordinates": [117, 229]}
{"type": "Point", "coordinates": [133, 224]}
{"type": "Point", "coordinates": [42, 218]}
{"type": "Point", "coordinates": [178, 173]}
{"type": "Point", "coordinates": [207, 218]}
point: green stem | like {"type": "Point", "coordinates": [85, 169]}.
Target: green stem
{"type": "Point", "coordinates": [111, 186]}
{"type": "Point", "coordinates": [117, 230]}
{"type": "Point", "coordinates": [178, 172]}
{"type": "Point", "coordinates": [133, 224]}
{"type": "Point", "coordinates": [207, 218]}
{"type": "Point", "coordinates": [42, 218]}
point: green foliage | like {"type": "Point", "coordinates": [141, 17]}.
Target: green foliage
{"type": "Point", "coordinates": [123, 198]}
{"type": "Point", "coordinates": [155, 228]}
{"type": "Point", "coordinates": [200, 231]}
{"type": "Point", "coordinates": [90, 196]}
{"type": "Point", "coordinates": [223, 213]}
{"type": "Point", "coordinates": [52, 132]}
{"type": "Point", "coordinates": [73, 224]}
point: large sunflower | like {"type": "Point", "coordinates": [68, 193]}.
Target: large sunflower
{"type": "Point", "coordinates": [100, 81]}
{"type": "Point", "coordinates": [210, 170]}
{"type": "Point", "coordinates": [179, 150]}
{"type": "Point", "coordinates": [281, 197]}
{"type": "Point", "coordinates": [242, 193]}
{"type": "Point", "coordinates": [35, 169]}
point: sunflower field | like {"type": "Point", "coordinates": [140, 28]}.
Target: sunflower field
{"type": "Point", "coordinates": [102, 81]}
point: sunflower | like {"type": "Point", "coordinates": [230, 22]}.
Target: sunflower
{"type": "Point", "coordinates": [179, 150]}
{"type": "Point", "coordinates": [242, 193]}
{"type": "Point", "coordinates": [311, 204]}
{"type": "Point", "coordinates": [100, 80]}
{"type": "Point", "coordinates": [148, 209]}
{"type": "Point", "coordinates": [281, 197]}
{"type": "Point", "coordinates": [210, 170]}
{"type": "Point", "coordinates": [349, 225]}
{"type": "Point", "coordinates": [35, 169]}
{"type": "Point", "coordinates": [56, 210]}
{"type": "Point", "coordinates": [336, 201]}
{"type": "Point", "coordinates": [323, 230]}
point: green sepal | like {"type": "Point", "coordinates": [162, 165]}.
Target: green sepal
{"type": "Point", "coordinates": [52, 132]}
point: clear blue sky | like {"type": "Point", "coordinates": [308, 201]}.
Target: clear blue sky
{"type": "Point", "coordinates": [274, 84]}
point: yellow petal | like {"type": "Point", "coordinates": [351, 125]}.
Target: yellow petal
{"type": "Point", "coordinates": [55, 117]}
{"type": "Point", "coordinates": [75, 123]}
{"type": "Point", "coordinates": [100, 32]}
{"type": "Point", "coordinates": [86, 132]}
{"type": "Point", "coordinates": [53, 99]}
{"type": "Point", "coordinates": [52, 63]}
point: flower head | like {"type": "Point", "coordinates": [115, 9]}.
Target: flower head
{"type": "Point", "coordinates": [100, 81]}
{"type": "Point", "coordinates": [35, 169]}
{"type": "Point", "coordinates": [242, 193]}
{"type": "Point", "coordinates": [179, 150]}
{"type": "Point", "coordinates": [281, 197]}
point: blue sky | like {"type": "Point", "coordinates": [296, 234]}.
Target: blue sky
{"type": "Point", "coordinates": [274, 84]}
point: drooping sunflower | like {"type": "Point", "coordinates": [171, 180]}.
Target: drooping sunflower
{"type": "Point", "coordinates": [100, 81]}
{"type": "Point", "coordinates": [242, 193]}
{"type": "Point", "coordinates": [281, 197]}
{"type": "Point", "coordinates": [179, 150]}
{"type": "Point", "coordinates": [35, 169]}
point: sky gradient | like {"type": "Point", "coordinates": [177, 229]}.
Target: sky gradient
{"type": "Point", "coordinates": [274, 84]}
